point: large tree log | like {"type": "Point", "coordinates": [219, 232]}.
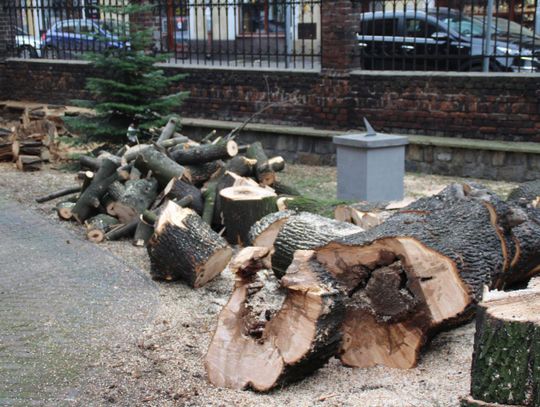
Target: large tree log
{"type": "Point", "coordinates": [26, 147]}
{"type": "Point", "coordinates": [29, 163]}
{"type": "Point", "coordinates": [163, 168]}
{"type": "Point", "coordinates": [184, 248]}
{"type": "Point", "coordinates": [526, 194]}
{"type": "Point", "coordinates": [58, 194]}
{"type": "Point", "coordinates": [243, 206]}
{"type": "Point", "coordinates": [98, 226]}
{"type": "Point", "coordinates": [178, 189]}
{"type": "Point", "coordinates": [227, 180]}
{"type": "Point", "coordinates": [205, 153]}
{"type": "Point", "coordinates": [168, 130]}
{"type": "Point", "coordinates": [306, 231]}
{"type": "Point", "coordinates": [137, 196]}
{"type": "Point", "coordinates": [199, 174]}
{"type": "Point", "coordinates": [264, 232]}
{"type": "Point", "coordinates": [272, 333]}
{"type": "Point", "coordinates": [506, 359]}
{"type": "Point", "coordinates": [263, 170]}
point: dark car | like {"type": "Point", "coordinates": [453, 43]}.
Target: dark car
{"type": "Point", "coordinates": [441, 40]}
{"type": "Point", "coordinates": [74, 36]}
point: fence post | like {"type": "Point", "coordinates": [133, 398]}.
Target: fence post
{"type": "Point", "coordinates": [340, 23]}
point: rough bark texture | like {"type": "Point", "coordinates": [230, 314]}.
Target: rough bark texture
{"type": "Point", "coordinates": [258, 347]}
{"type": "Point", "coordinates": [184, 248]}
{"type": "Point", "coordinates": [163, 168]}
{"type": "Point", "coordinates": [201, 173]}
{"type": "Point", "coordinates": [305, 231]}
{"type": "Point", "coordinates": [98, 226]}
{"type": "Point", "coordinates": [506, 359]}
{"type": "Point", "coordinates": [178, 189]}
{"type": "Point", "coordinates": [243, 206]}
{"type": "Point", "coordinates": [525, 193]}
{"type": "Point", "coordinates": [263, 171]}
{"type": "Point", "coordinates": [137, 196]}
{"type": "Point", "coordinates": [205, 153]}
{"type": "Point", "coordinates": [264, 232]}
{"type": "Point", "coordinates": [241, 165]}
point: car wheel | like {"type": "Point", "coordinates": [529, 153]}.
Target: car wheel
{"type": "Point", "coordinates": [50, 53]}
{"type": "Point", "coordinates": [27, 53]}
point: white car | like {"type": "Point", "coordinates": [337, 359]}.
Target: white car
{"type": "Point", "coordinates": [26, 45]}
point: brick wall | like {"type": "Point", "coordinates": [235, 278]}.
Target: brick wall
{"type": "Point", "coordinates": [496, 106]}
{"type": "Point", "coordinates": [4, 31]}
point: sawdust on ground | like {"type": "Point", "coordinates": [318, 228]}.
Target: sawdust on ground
{"type": "Point", "coordinates": [165, 365]}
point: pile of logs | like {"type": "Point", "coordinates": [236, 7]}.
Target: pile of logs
{"type": "Point", "coordinates": [311, 287]}
{"type": "Point", "coordinates": [176, 197]}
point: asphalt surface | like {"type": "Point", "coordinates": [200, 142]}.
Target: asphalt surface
{"type": "Point", "coordinates": [64, 303]}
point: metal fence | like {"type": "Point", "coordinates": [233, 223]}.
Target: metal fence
{"type": "Point", "coordinates": [481, 35]}
{"type": "Point", "coordinates": [245, 33]}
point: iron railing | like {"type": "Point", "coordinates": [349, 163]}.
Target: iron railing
{"type": "Point", "coordinates": [254, 33]}
{"type": "Point", "coordinates": [471, 35]}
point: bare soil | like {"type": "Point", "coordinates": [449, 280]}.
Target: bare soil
{"type": "Point", "coordinates": [164, 366]}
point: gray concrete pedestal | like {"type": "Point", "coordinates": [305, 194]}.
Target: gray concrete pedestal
{"type": "Point", "coordinates": [370, 167]}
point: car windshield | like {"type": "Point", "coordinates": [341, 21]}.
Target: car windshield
{"type": "Point", "coordinates": [502, 25]}
{"type": "Point", "coordinates": [463, 25]}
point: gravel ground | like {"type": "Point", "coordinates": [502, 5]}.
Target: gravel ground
{"type": "Point", "coordinates": [164, 365]}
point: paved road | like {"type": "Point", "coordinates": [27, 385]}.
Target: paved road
{"type": "Point", "coordinates": [63, 302]}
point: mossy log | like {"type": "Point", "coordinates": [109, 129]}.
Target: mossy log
{"type": "Point", "coordinates": [163, 168]}
{"type": "Point", "coordinates": [243, 206]}
{"type": "Point", "coordinates": [273, 333]}
{"type": "Point", "coordinates": [264, 232]}
{"type": "Point", "coordinates": [98, 226]}
{"type": "Point", "coordinates": [435, 264]}
{"type": "Point", "coordinates": [263, 170]}
{"type": "Point", "coordinates": [506, 358]}
{"type": "Point", "coordinates": [178, 189]}
{"type": "Point", "coordinates": [305, 231]}
{"type": "Point", "coordinates": [184, 248]}
{"type": "Point", "coordinates": [137, 196]}
{"type": "Point", "coordinates": [205, 153]}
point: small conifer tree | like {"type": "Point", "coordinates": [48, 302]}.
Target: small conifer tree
{"type": "Point", "coordinates": [130, 88]}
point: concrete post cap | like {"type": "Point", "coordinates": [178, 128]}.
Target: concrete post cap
{"type": "Point", "coordinates": [368, 141]}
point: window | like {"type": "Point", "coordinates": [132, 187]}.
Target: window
{"type": "Point", "coordinates": [263, 16]}
{"type": "Point", "coordinates": [419, 28]}
{"type": "Point", "coordinates": [379, 27]}
{"type": "Point", "coordinates": [68, 29]}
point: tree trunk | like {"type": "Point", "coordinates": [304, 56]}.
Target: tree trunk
{"type": "Point", "coordinates": [199, 174]}
{"type": "Point", "coordinates": [526, 193]}
{"type": "Point", "coordinates": [229, 179]}
{"type": "Point", "coordinates": [123, 230]}
{"type": "Point", "coordinates": [64, 209]}
{"type": "Point", "coordinates": [506, 358]}
{"type": "Point", "coordinates": [168, 130]}
{"type": "Point", "coordinates": [163, 168]}
{"type": "Point", "coordinates": [178, 189]}
{"type": "Point", "coordinates": [184, 248]}
{"type": "Point", "coordinates": [58, 194]}
{"type": "Point", "coordinates": [263, 170]}
{"type": "Point", "coordinates": [205, 153]}
{"type": "Point", "coordinates": [264, 232]}
{"type": "Point", "coordinates": [97, 226]}
{"type": "Point", "coordinates": [143, 233]}
{"type": "Point", "coordinates": [137, 196]}
{"type": "Point", "coordinates": [305, 231]}
{"type": "Point", "coordinates": [29, 163]}
{"type": "Point", "coordinates": [272, 333]}
{"type": "Point", "coordinates": [242, 207]}
{"type": "Point", "coordinates": [90, 198]}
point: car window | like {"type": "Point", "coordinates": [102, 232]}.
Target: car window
{"type": "Point", "coordinates": [381, 26]}
{"type": "Point", "coordinates": [415, 27]}
{"type": "Point", "coordinates": [87, 29]}
{"type": "Point", "coordinates": [68, 29]}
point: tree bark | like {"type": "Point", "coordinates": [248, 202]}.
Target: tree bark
{"type": "Point", "coordinates": [526, 193]}
{"type": "Point", "coordinates": [137, 196]}
{"type": "Point", "coordinates": [264, 232]}
{"type": "Point", "coordinates": [241, 165]}
{"type": "Point", "coordinates": [242, 207]}
{"type": "Point", "coordinates": [199, 174]}
{"type": "Point", "coordinates": [263, 170]}
{"type": "Point", "coordinates": [123, 230]}
{"type": "Point", "coordinates": [270, 333]}
{"type": "Point", "coordinates": [143, 233]}
{"type": "Point", "coordinates": [184, 248]}
{"type": "Point", "coordinates": [205, 153]}
{"type": "Point", "coordinates": [91, 163]}
{"type": "Point", "coordinates": [506, 358]}
{"type": "Point", "coordinates": [178, 189]}
{"type": "Point", "coordinates": [97, 226]}
{"type": "Point", "coordinates": [163, 168]}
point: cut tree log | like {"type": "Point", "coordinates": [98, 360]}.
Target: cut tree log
{"type": "Point", "coordinates": [64, 209]}
{"type": "Point", "coordinates": [263, 170]}
{"type": "Point", "coordinates": [108, 165]}
{"type": "Point", "coordinates": [98, 226]}
{"type": "Point", "coordinates": [58, 194]}
{"type": "Point", "coordinates": [205, 153]}
{"type": "Point", "coordinates": [178, 189]}
{"type": "Point", "coordinates": [199, 174]}
{"type": "Point", "coordinates": [243, 206]}
{"type": "Point", "coordinates": [137, 196]}
{"type": "Point", "coordinates": [306, 231]}
{"type": "Point", "coordinates": [275, 164]}
{"type": "Point", "coordinates": [26, 147]}
{"type": "Point", "coordinates": [89, 200]}
{"type": "Point", "coordinates": [506, 358]}
{"type": "Point", "coordinates": [6, 152]}
{"type": "Point", "coordinates": [143, 233]}
{"type": "Point", "coordinates": [435, 264]}
{"type": "Point", "coordinates": [168, 130]}
{"type": "Point", "coordinates": [29, 163]}
{"type": "Point", "coordinates": [241, 165]}
{"type": "Point", "coordinates": [184, 248]}
{"type": "Point", "coordinates": [91, 163]}
{"type": "Point", "coordinates": [264, 232]}
{"type": "Point", "coordinates": [272, 333]}
{"type": "Point", "coordinates": [172, 142]}
{"type": "Point", "coordinates": [122, 230]}
{"type": "Point", "coordinates": [163, 168]}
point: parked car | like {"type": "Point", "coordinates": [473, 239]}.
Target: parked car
{"type": "Point", "coordinates": [72, 36]}
{"type": "Point", "coordinates": [440, 39]}
{"type": "Point", "coordinates": [26, 45]}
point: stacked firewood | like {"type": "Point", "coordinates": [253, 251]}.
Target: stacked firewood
{"type": "Point", "coordinates": [310, 287]}
{"type": "Point", "coordinates": [177, 197]}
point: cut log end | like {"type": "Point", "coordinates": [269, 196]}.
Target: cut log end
{"type": "Point", "coordinates": [96, 236]}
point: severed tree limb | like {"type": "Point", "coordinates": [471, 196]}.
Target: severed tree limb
{"type": "Point", "coordinates": [58, 194]}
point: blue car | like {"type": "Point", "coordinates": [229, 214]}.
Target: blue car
{"type": "Point", "coordinates": [68, 37]}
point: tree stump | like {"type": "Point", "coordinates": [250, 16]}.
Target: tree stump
{"type": "Point", "coordinates": [184, 248]}
{"type": "Point", "coordinates": [272, 333]}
